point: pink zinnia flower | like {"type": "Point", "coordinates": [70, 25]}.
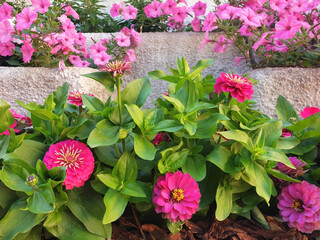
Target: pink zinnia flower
{"type": "Point", "coordinates": [239, 87]}
{"type": "Point", "coordinates": [6, 31]}
{"type": "Point", "coordinates": [122, 40]}
{"type": "Point", "coordinates": [176, 196]}
{"type": "Point", "coordinates": [6, 132]}
{"type": "Point", "coordinates": [6, 49]}
{"type": "Point", "coordinates": [71, 12]}
{"type": "Point", "coordinates": [285, 133]}
{"type": "Point", "coordinates": [196, 24]}
{"type": "Point", "coordinates": [74, 155]}
{"type": "Point", "coordinates": [199, 8]}
{"type": "Point", "coordinates": [5, 11]}
{"type": "Point", "coordinates": [160, 137]}
{"type": "Point", "coordinates": [308, 111]}
{"type": "Point", "coordinates": [21, 118]}
{"type": "Point", "coordinates": [27, 51]}
{"type": "Point", "coordinates": [129, 12]}
{"type": "Point", "coordinates": [41, 6]}
{"type": "Point", "coordinates": [117, 68]}
{"type": "Point", "coordinates": [299, 205]}
{"type": "Point", "coordinates": [76, 98]}
{"type": "Point", "coordinates": [294, 173]}
{"type": "Point", "coordinates": [25, 18]}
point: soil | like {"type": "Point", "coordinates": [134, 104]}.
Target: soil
{"type": "Point", "coordinates": [240, 229]}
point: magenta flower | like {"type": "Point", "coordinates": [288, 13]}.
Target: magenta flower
{"type": "Point", "coordinates": [5, 11]}
{"type": "Point", "coordinates": [76, 98]}
{"type": "Point", "coordinates": [308, 111]}
{"type": "Point", "coordinates": [299, 205]}
{"type": "Point", "coordinates": [41, 6]}
{"type": "Point", "coordinates": [26, 18]}
{"type": "Point", "coordinates": [199, 8]}
{"type": "Point", "coordinates": [27, 51]}
{"type": "Point", "coordinates": [196, 24]}
{"type": "Point", "coordinates": [97, 49]}
{"type": "Point", "coordinates": [294, 173]}
{"type": "Point", "coordinates": [210, 22]}
{"type": "Point", "coordinates": [21, 118]}
{"type": "Point", "coordinates": [129, 12]}
{"type": "Point", "coordinates": [286, 133]}
{"type": "Point", "coordinates": [237, 60]}
{"type": "Point", "coordinates": [71, 12]}
{"type": "Point", "coordinates": [6, 132]}
{"type": "Point", "coordinates": [221, 44]}
{"type": "Point", "coordinates": [287, 27]}
{"type": "Point", "coordinates": [6, 31]}
{"type": "Point", "coordinates": [205, 40]}
{"type": "Point", "coordinates": [74, 155]}
{"type": "Point", "coordinates": [116, 9]}
{"type": "Point", "coordinates": [180, 14]}
{"type": "Point", "coordinates": [117, 68]}
{"type": "Point", "coordinates": [130, 56]}
{"type": "Point", "coordinates": [101, 59]}
{"type": "Point", "coordinates": [153, 9]}
{"type": "Point", "coordinates": [122, 40]}
{"type": "Point", "coordinates": [6, 49]}
{"type": "Point", "coordinates": [239, 87]}
{"type": "Point", "coordinates": [176, 196]}
{"type": "Point", "coordinates": [159, 138]}
{"type": "Point", "coordinates": [169, 7]}
{"type": "Point", "coordinates": [249, 17]}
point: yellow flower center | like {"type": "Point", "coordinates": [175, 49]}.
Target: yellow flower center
{"type": "Point", "coordinates": [234, 78]}
{"type": "Point", "coordinates": [177, 194]}
{"type": "Point", "coordinates": [296, 205]}
{"type": "Point", "coordinates": [69, 156]}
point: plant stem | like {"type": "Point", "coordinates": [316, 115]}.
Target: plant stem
{"type": "Point", "coordinates": [188, 143]}
{"type": "Point", "coordinates": [117, 150]}
{"type": "Point", "coordinates": [119, 98]}
{"type": "Point", "coordinates": [123, 145]}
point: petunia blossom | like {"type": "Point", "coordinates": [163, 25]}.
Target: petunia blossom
{"type": "Point", "coordinates": [122, 40]}
{"type": "Point", "coordinates": [176, 196]}
{"type": "Point", "coordinates": [239, 87]}
{"type": "Point", "coordinates": [27, 51]}
{"type": "Point", "coordinates": [199, 8]}
{"type": "Point", "coordinates": [5, 11]}
{"type": "Point", "coordinates": [299, 205]}
{"type": "Point", "coordinates": [196, 24]}
{"type": "Point", "coordinates": [25, 18]}
{"type": "Point", "coordinates": [129, 12]}
{"type": "Point", "coordinates": [73, 155]}
{"type": "Point", "coordinates": [71, 12]}
{"type": "Point", "coordinates": [287, 27]}
{"type": "Point", "coordinates": [41, 6]}
{"type": "Point", "coordinates": [6, 31]}
{"type": "Point", "coordinates": [6, 49]}
{"type": "Point", "coordinates": [221, 44]}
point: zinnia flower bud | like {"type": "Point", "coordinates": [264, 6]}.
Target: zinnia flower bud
{"type": "Point", "coordinates": [32, 180]}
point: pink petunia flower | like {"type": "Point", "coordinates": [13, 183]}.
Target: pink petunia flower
{"type": "Point", "coordinates": [6, 49]}
{"type": "Point", "coordinates": [308, 111]}
{"type": "Point", "coordinates": [196, 24]}
{"type": "Point", "coordinates": [221, 44]}
{"type": "Point", "coordinates": [153, 9]}
{"type": "Point", "coordinates": [180, 14]}
{"type": "Point", "coordinates": [159, 138]}
{"type": "Point", "coordinates": [5, 11]}
{"type": "Point", "coordinates": [237, 60]}
{"type": "Point", "coordinates": [71, 12]}
{"type": "Point", "coordinates": [27, 51]}
{"type": "Point", "coordinates": [176, 196]}
{"type": "Point", "coordinates": [169, 6]}
{"type": "Point", "coordinates": [74, 155]}
{"type": "Point", "coordinates": [205, 40]}
{"type": "Point", "coordinates": [129, 12]}
{"type": "Point", "coordinates": [101, 59]}
{"type": "Point", "coordinates": [6, 31]}
{"type": "Point", "coordinates": [62, 65]}
{"type": "Point", "coordinates": [130, 56]}
{"type": "Point", "coordinates": [41, 6]}
{"type": "Point", "coordinates": [249, 17]}
{"type": "Point", "coordinates": [239, 87]}
{"type": "Point", "coordinates": [116, 9]}
{"type": "Point", "coordinates": [287, 27]}
{"type": "Point", "coordinates": [294, 173]}
{"type": "Point", "coordinates": [25, 18]}
{"type": "Point", "coordinates": [6, 132]}
{"type": "Point", "coordinates": [97, 48]}
{"type": "Point", "coordinates": [299, 205]}
{"type": "Point", "coordinates": [210, 22]}
{"type": "Point", "coordinates": [199, 8]}
{"type": "Point", "coordinates": [122, 40]}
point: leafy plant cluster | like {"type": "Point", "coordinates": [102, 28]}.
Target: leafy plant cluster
{"type": "Point", "coordinates": [229, 148]}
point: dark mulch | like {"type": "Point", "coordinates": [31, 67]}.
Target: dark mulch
{"type": "Point", "coordinates": [240, 229]}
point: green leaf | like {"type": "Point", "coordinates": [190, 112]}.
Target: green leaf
{"type": "Point", "coordinates": [285, 110]}
{"type": "Point", "coordinates": [15, 141]}
{"type": "Point", "coordinates": [224, 201]}
{"type": "Point", "coordinates": [44, 114]}
{"type": "Point", "coordinates": [60, 98]}
{"type": "Point", "coordinates": [174, 227]}
{"type": "Point", "coordinates": [110, 180]}
{"type": "Point", "coordinates": [167, 126]}
{"type": "Point", "coordinates": [105, 134]}
{"type": "Point", "coordinates": [92, 103]}
{"type": "Point", "coordinates": [49, 103]}
{"type": "Point", "coordinates": [7, 196]}
{"type": "Point", "coordinates": [70, 228]}
{"type": "Point", "coordinates": [144, 148]}
{"type": "Point", "coordinates": [301, 125]}
{"type": "Point", "coordinates": [136, 92]}
{"type": "Point", "coordinates": [224, 159]}
{"type": "Point", "coordinates": [159, 74]}
{"type": "Point", "coordinates": [115, 203]}
{"type": "Point", "coordinates": [271, 131]}
{"type": "Point", "coordinates": [172, 160]}
{"type": "Point", "coordinates": [18, 220]}
{"type": "Point", "coordinates": [126, 168]}
{"type": "Point", "coordinates": [202, 64]}
{"type": "Point", "coordinates": [238, 136]}
{"type": "Point", "coordinates": [4, 144]}
{"type": "Point", "coordinates": [42, 200]}
{"type": "Point", "coordinates": [287, 143]}
{"type": "Point", "coordinates": [6, 118]}
{"type": "Point", "coordinates": [137, 115]}
{"type": "Point", "coordinates": [133, 189]}
{"type": "Point", "coordinates": [281, 175]}
{"type": "Point", "coordinates": [82, 131]}
{"type": "Point", "coordinates": [178, 105]}
{"type": "Point", "coordinates": [87, 205]}
{"type": "Point", "coordinates": [196, 167]}
{"type": "Point", "coordinates": [276, 155]}
{"type": "Point", "coordinates": [199, 106]}
{"type": "Point", "coordinates": [105, 78]}
{"type": "Point", "coordinates": [258, 216]}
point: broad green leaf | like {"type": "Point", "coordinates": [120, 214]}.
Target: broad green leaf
{"type": "Point", "coordinates": [272, 154]}
{"type": "Point", "coordinates": [258, 216]}
{"type": "Point", "coordinates": [49, 103]}
{"type": "Point", "coordinates": [238, 136]}
{"type": "Point", "coordinates": [105, 78]}
{"type": "Point", "coordinates": [115, 203]}
{"type": "Point", "coordinates": [167, 126]}
{"type": "Point", "coordinates": [202, 64]}
{"type": "Point", "coordinates": [178, 105]}
{"type": "Point", "coordinates": [15, 141]}
{"type": "Point", "coordinates": [126, 168]}
{"type": "Point", "coordinates": [301, 125]}
{"type": "Point", "coordinates": [82, 131]}
{"type": "Point", "coordinates": [42, 200]}
{"type": "Point", "coordinates": [133, 189]}
{"type": "Point", "coordinates": [92, 103]}
{"type": "Point", "coordinates": [105, 134]}
{"type": "Point", "coordinates": [174, 227]}
{"type": "Point", "coordinates": [144, 148]}
{"type": "Point", "coordinates": [199, 106]}
{"type": "Point", "coordinates": [224, 202]}
{"type": "Point", "coordinates": [271, 131]}
{"type": "Point", "coordinates": [281, 175]}
{"type": "Point", "coordinates": [159, 74]}
{"type": "Point", "coordinates": [44, 114]}
{"type": "Point", "coordinates": [6, 118]}
{"type": "Point", "coordinates": [196, 167]}
{"type": "Point", "coordinates": [4, 144]}
{"type": "Point", "coordinates": [136, 92]}
{"type": "Point", "coordinates": [137, 115]}
{"type": "Point", "coordinates": [285, 110]}
{"type": "Point", "coordinates": [87, 205]}
{"type": "Point", "coordinates": [191, 127]}
{"type": "Point", "coordinates": [110, 180]}
{"type": "Point", "coordinates": [71, 228]}
{"type": "Point", "coordinates": [60, 98]}
{"type": "Point", "coordinates": [287, 143]}
{"type": "Point", "coordinates": [8, 196]}
{"type": "Point", "coordinates": [224, 159]}
{"type": "Point", "coordinates": [18, 220]}
{"type": "Point", "coordinates": [171, 161]}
